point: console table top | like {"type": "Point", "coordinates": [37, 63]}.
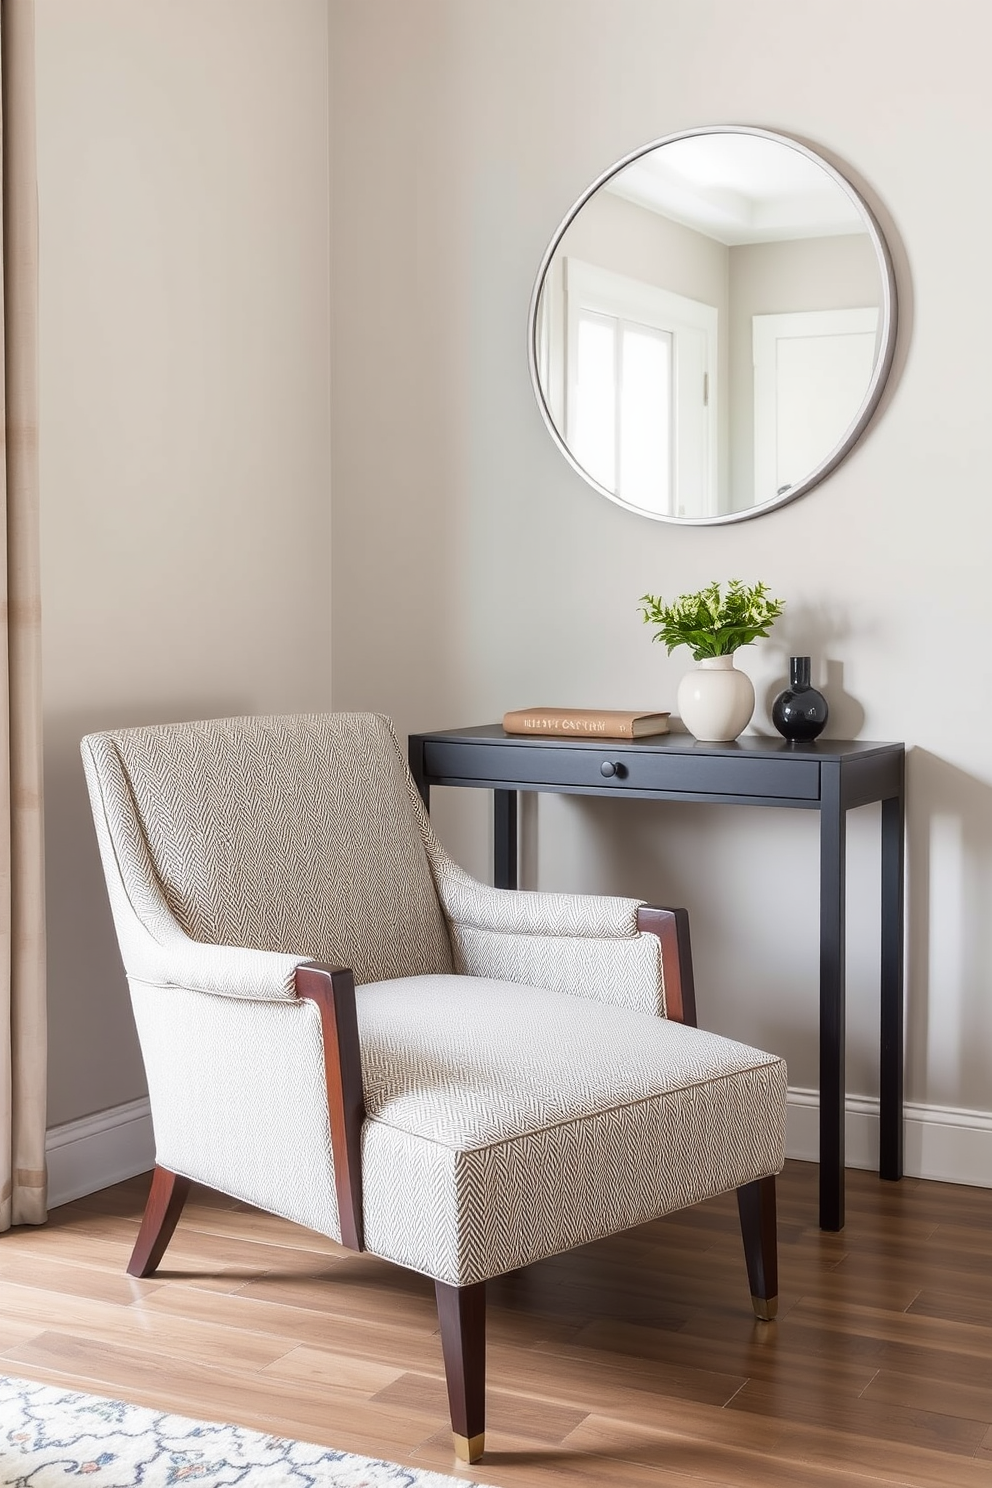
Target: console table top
{"type": "Point", "coordinates": [748, 744]}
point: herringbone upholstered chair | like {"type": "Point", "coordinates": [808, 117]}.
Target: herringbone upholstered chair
{"type": "Point", "coordinates": [514, 1074]}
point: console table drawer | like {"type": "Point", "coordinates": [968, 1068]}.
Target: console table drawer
{"type": "Point", "coordinates": [532, 766]}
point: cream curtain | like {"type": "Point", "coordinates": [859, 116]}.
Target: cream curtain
{"type": "Point", "coordinates": [22, 924]}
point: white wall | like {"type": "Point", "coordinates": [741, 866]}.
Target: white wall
{"type": "Point", "coordinates": [474, 571]}
{"type": "Point", "coordinates": [185, 467]}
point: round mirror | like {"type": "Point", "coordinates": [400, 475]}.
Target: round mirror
{"type": "Point", "coordinates": [712, 325]}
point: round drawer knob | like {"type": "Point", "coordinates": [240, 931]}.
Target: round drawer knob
{"type": "Point", "coordinates": [611, 767]}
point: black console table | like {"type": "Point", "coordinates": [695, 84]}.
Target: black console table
{"type": "Point", "coordinates": [829, 776]}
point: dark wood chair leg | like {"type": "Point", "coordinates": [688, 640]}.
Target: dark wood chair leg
{"type": "Point", "coordinates": [462, 1312]}
{"type": "Point", "coordinates": [756, 1202]}
{"type": "Point", "coordinates": [166, 1198]}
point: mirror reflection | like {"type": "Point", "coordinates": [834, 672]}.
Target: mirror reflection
{"type": "Point", "coordinates": [712, 325]}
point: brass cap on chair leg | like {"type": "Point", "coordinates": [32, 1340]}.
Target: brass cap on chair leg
{"type": "Point", "coordinates": [469, 1448]}
{"type": "Point", "coordinates": [765, 1308]}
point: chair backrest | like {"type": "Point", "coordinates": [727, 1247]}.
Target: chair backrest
{"type": "Point", "coordinates": [299, 834]}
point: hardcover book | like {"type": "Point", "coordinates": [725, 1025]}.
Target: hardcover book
{"type": "Point", "coordinates": [585, 723]}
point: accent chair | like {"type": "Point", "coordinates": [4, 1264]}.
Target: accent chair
{"type": "Point", "coordinates": [340, 1026]}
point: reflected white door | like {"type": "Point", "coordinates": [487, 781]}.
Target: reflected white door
{"type": "Point", "coordinates": [811, 372]}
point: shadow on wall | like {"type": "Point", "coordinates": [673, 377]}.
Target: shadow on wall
{"type": "Point", "coordinates": [847, 716]}
{"type": "Point", "coordinates": [949, 918]}
{"type": "Point", "coordinates": [812, 630]}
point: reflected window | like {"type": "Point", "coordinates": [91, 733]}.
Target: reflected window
{"type": "Point", "coordinates": [623, 407]}
{"type": "Point", "coordinates": [633, 390]}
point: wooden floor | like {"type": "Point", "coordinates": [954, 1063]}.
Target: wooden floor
{"type": "Point", "coordinates": [634, 1361]}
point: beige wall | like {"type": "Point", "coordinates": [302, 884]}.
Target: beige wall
{"type": "Point", "coordinates": [185, 464]}
{"type": "Point", "coordinates": [474, 571]}
{"type": "Point", "coordinates": [183, 167]}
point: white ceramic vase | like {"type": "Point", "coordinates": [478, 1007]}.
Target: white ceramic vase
{"type": "Point", "coordinates": [715, 700]}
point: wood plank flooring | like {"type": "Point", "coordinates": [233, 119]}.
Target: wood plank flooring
{"type": "Point", "coordinates": [635, 1361]}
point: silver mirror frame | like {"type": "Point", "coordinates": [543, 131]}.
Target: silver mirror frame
{"type": "Point", "coordinates": [887, 338]}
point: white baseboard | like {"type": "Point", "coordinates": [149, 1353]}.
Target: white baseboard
{"type": "Point", "coordinates": [941, 1142]}
{"type": "Point", "coordinates": [96, 1151]}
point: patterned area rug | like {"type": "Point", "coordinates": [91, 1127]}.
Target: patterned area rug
{"type": "Point", "coordinates": [49, 1435]}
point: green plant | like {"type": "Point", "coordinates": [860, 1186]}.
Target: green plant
{"type": "Point", "coordinates": [715, 621]}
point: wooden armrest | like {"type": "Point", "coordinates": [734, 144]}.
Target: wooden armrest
{"type": "Point", "coordinates": [332, 988]}
{"type": "Point", "coordinates": [672, 928]}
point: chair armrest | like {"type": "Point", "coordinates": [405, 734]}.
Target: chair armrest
{"type": "Point", "coordinates": [473, 905]}
{"type": "Point", "coordinates": [332, 988]}
{"type": "Point", "coordinates": [171, 959]}
{"type": "Point", "coordinates": [671, 926]}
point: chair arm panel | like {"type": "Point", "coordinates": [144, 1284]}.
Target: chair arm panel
{"type": "Point", "coordinates": [238, 1092]}
{"type": "Point", "coordinates": [623, 972]}
{"type": "Point", "coordinates": [340, 1103]}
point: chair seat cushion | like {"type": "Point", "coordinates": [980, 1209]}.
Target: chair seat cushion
{"type": "Point", "coordinates": [507, 1123]}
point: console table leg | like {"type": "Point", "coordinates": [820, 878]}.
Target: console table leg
{"type": "Point", "coordinates": [505, 839]}
{"type": "Point", "coordinates": [833, 853]}
{"type": "Point", "coordinates": [891, 1058]}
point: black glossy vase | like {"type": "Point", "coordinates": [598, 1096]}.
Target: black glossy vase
{"type": "Point", "coordinates": [800, 712]}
